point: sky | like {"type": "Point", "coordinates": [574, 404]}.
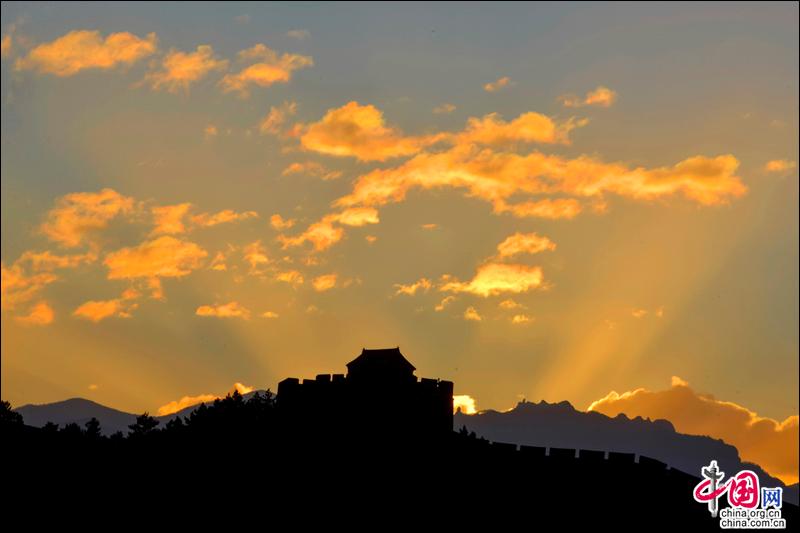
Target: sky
{"type": "Point", "coordinates": [560, 201]}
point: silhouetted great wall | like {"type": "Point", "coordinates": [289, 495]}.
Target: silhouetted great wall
{"type": "Point", "coordinates": [378, 435]}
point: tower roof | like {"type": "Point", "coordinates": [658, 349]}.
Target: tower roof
{"type": "Point", "coordinates": [383, 358]}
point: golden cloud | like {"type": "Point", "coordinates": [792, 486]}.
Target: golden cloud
{"type": "Point", "coordinates": [528, 128]}
{"type": "Point", "coordinates": [228, 310]}
{"type": "Point", "coordinates": [162, 257]}
{"type": "Point", "coordinates": [494, 86]}
{"type": "Point", "coordinates": [280, 223]}
{"type": "Point", "coordinates": [40, 314]}
{"type": "Point", "coordinates": [324, 283]}
{"type": "Point", "coordinates": [520, 319]}
{"type": "Point", "coordinates": [77, 217]}
{"type": "Point", "coordinates": [188, 401]}
{"type": "Point", "coordinates": [358, 216]}
{"type": "Point", "coordinates": [600, 97]}
{"type": "Point", "coordinates": [292, 277]}
{"type": "Point", "coordinates": [497, 176]}
{"type": "Point", "coordinates": [311, 168]}
{"type": "Point", "coordinates": [423, 285]}
{"type": "Point", "coordinates": [496, 278]}
{"type": "Point", "coordinates": [276, 118]}
{"type": "Point", "coordinates": [555, 209]}
{"type": "Point", "coordinates": [181, 69]}
{"type": "Point", "coordinates": [47, 261]}
{"type": "Point", "coordinates": [206, 220]}
{"type": "Point", "coordinates": [360, 131]}
{"type": "Point", "coordinates": [322, 235]}
{"type": "Point", "coordinates": [524, 243]}
{"type": "Point", "coordinates": [444, 303]}
{"type": "Point", "coordinates": [168, 219]}
{"type": "Point", "coordinates": [19, 287]}
{"type": "Point", "coordinates": [510, 304]}
{"type": "Point", "coordinates": [271, 69]}
{"type": "Point", "coordinates": [465, 403]}
{"type": "Point", "coordinates": [83, 49]}
{"type": "Point", "coordinates": [97, 310]}
{"type": "Point", "coordinates": [255, 256]}
{"type": "Point", "coordinates": [771, 444]}
{"type": "Point", "coordinates": [779, 166]}
{"type": "Point", "coordinates": [269, 314]}
{"type": "Point", "coordinates": [472, 314]}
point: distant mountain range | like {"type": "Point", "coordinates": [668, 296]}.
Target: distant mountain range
{"type": "Point", "coordinates": [81, 410]}
{"type": "Point", "coordinates": [557, 425]}
{"type": "Point", "coordinates": [560, 425]}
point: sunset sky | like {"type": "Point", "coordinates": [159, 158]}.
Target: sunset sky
{"type": "Point", "coordinates": [548, 201]}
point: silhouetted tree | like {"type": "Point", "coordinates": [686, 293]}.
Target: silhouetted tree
{"type": "Point", "coordinates": [72, 431]}
{"type": "Point", "coordinates": [50, 428]}
{"type": "Point", "coordinates": [145, 425]}
{"type": "Point", "coordinates": [93, 429]}
{"type": "Point", "coordinates": [9, 417]}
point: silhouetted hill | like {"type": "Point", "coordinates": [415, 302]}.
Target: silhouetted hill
{"type": "Point", "coordinates": [560, 425]}
{"type": "Point", "coordinates": [80, 410]}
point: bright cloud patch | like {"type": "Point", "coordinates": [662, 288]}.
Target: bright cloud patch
{"type": "Point", "coordinates": [498, 84]}
{"type": "Point", "coordinates": [271, 68]}
{"type": "Point", "coordinates": [274, 122]}
{"type": "Point", "coordinates": [780, 166]}
{"type": "Point", "coordinates": [162, 257]}
{"type": "Point", "coordinates": [498, 278]}
{"type": "Point", "coordinates": [179, 69]}
{"type": "Point", "coordinates": [524, 243]}
{"type": "Point", "coordinates": [228, 310]}
{"type": "Point", "coordinates": [772, 444]}
{"type": "Point", "coordinates": [311, 168]}
{"type": "Point", "coordinates": [189, 401]}
{"type": "Point", "coordinates": [600, 97]}
{"type": "Point", "coordinates": [40, 314]}
{"type": "Point", "coordinates": [77, 217]}
{"type": "Point", "coordinates": [472, 314]}
{"type": "Point", "coordinates": [83, 49]}
{"type": "Point", "coordinates": [422, 285]}
{"type": "Point", "coordinates": [465, 403]}
{"type": "Point", "coordinates": [324, 283]}
{"type": "Point", "coordinates": [360, 131]}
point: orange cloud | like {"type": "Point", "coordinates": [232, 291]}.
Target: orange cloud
{"type": "Point", "coordinates": [40, 314]}
{"type": "Point", "coordinates": [228, 310]}
{"type": "Point", "coordinates": [465, 403]}
{"type": "Point", "coordinates": [322, 235]}
{"type": "Point", "coordinates": [269, 314]}
{"type": "Point", "coordinates": [510, 304]}
{"type": "Point", "coordinates": [444, 303]}
{"type": "Point", "coordinates": [181, 69]}
{"type": "Point", "coordinates": [19, 287]}
{"type": "Point", "coordinates": [255, 256]}
{"type": "Point", "coordinates": [520, 319]}
{"type": "Point", "coordinates": [494, 86]}
{"type": "Point", "coordinates": [360, 131]}
{"type": "Point", "coordinates": [497, 176]}
{"type": "Point", "coordinates": [558, 208]}
{"type": "Point", "coordinates": [358, 216]}
{"type": "Point", "coordinates": [311, 168]}
{"type": "Point", "coordinates": [280, 223]}
{"type": "Point", "coordinates": [77, 217]}
{"type": "Point", "coordinates": [47, 261]}
{"type": "Point", "coordinates": [96, 311]}
{"type": "Point", "coordinates": [780, 166]}
{"type": "Point", "coordinates": [524, 243]}
{"type": "Point", "coordinates": [188, 401]}
{"type": "Point", "coordinates": [206, 220]}
{"type": "Point", "coordinates": [472, 314]}
{"type": "Point", "coordinates": [83, 49]}
{"type": "Point", "coordinates": [162, 257]}
{"type": "Point", "coordinates": [772, 444]}
{"type": "Point", "coordinates": [600, 97]}
{"type": "Point", "coordinates": [270, 69]}
{"type": "Point", "coordinates": [324, 283]}
{"type": "Point", "coordinates": [496, 278]}
{"type": "Point", "coordinates": [276, 118]}
{"type": "Point", "coordinates": [528, 127]}
{"type": "Point", "coordinates": [423, 285]}
{"type": "Point", "coordinates": [292, 277]}
{"type": "Point", "coordinates": [168, 219]}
